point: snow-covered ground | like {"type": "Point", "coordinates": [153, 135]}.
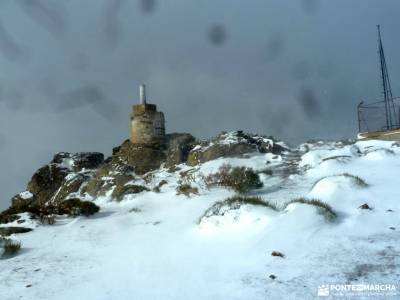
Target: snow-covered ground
{"type": "Point", "coordinates": [154, 245]}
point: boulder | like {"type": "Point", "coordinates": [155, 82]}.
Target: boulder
{"type": "Point", "coordinates": [142, 158]}
{"type": "Point", "coordinates": [365, 206]}
{"type": "Point", "coordinates": [8, 216]}
{"type": "Point", "coordinates": [267, 145]}
{"type": "Point", "coordinates": [77, 207]}
{"type": "Point", "coordinates": [23, 199]}
{"type": "Point", "coordinates": [55, 182]}
{"type": "Point", "coordinates": [110, 174]}
{"type": "Point", "coordinates": [232, 144]}
{"type": "Point", "coordinates": [224, 145]}
{"type": "Point", "coordinates": [178, 148]}
{"type": "Point", "coordinates": [71, 185]}
{"type": "Point", "coordinates": [78, 161]}
{"type": "Point", "coordinates": [46, 181]}
{"type": "Point", "coordinates": [277, 254]}
{"type": "Point", "coordinates": [87, 160]}
{"type": "Point", "coordinates": [121, 190]}
{"type": "Point", "coordinates": [6, 231]}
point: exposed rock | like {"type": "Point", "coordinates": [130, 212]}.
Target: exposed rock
{"type": "Point", "coordinates": [87, 160]}
{"type": "Point", "coordinates": [110, 174]}
{"type": "Point", "coordinates": [179, 146]}
{"type": "Point", "coordinates": [121, 190]}
{"type": "Point", "coordinates": [22, 202]}
{"type": "Point", "coordinates": [22, 199]}
{"type": "Point", "coordinates": [216, 150]}
{"type": "Point", "coordinates": [79, 161]}
{"type": "Point", "coordinates": [142, 158]}
{"type": "Point", "coordinates": [277, 253]}
{"type": "Point", "coordinates": [46, 181]}
{"type": "Point", "coordinates": [267, 145]}
{"type": "Point", "coordinates": [365, 206]}
{"type": "Point", "coordinates": [6, 231]}
{"type": "Point", "coordinates": [71, 185]}
{"type": "Point", "coordinates": [8, 216]}
{"type": "Point", "coordinates": [77, 207]}
{"type": "Point", "coordinates": [59, 178]}
{"type": "Point", "coordinates": [70, 175]}
{"type": "Point", "coordinates": [231, 144]}
{"type": "Point", "coordinates": [98, 184]}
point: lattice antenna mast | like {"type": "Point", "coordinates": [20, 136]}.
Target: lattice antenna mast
{"type": "Point", "coordinates": [390, 112]}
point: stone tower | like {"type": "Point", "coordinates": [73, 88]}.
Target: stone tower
{"type": "Point", "coordinates": [147, 125]}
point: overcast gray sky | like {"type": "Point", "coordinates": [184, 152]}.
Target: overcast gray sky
{"type": "Point", "coordinates": [69, 70]}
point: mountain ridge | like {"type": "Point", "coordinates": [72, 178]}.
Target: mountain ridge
{"type": "Point", "coordinates": [321, 213]}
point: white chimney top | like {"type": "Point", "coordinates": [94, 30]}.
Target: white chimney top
{"type": "Point", "coordinates": [142, 92]}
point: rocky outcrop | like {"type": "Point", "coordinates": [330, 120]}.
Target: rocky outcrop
{"type": "Point", "coordinates": [142, 158]}
{"type": "Point", "coordinates": [78, 161]}
{"type": "Point", "coordinates": [76, 207]}
{"type": "Point", "coordinates": [60, 177]}
{"type": "Point", "coordinates": [22, 199]}
{"type": "Point", "coordinates": [87, 175]}
{"type": "Point", "coordinates": [70, 187]}
{"type": "Point", "coordinates": [179, 146]}
{"type": "Point", "coordinates": [52, 184]}
{"type": "Point", "coordinates": [6, 231]}
{"type": "Point", "coordinates": [46, 181]}
{"type": "Point", "coordinates": [232, 144]}
{"type": "Point", "coordinates": [121, 190]}
{"type": "Point", "coordinates": [8, 216]}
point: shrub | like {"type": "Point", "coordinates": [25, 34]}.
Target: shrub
{"type": "Point", "coordinates": [235, 202]}
{"type": "Point", "coordinates": [157, 188]}
{"type": "Point", "coordinates": [48, 219]}
{"type": "Point", "coordinates": [187, 177]}
{"type": "Point", "coordinates": [239, 179]}
{"type": "Point", "coordinates": [357, 180]}
{"type": "Point", "coordinates": [322, 208]}
{"type": "Point", "coordinates": [148, 178]}
{"type": "Point", "coordinates": [11, 247]}
{"type": "Point", "coordinates": [186, 189]}
{"type": "Point", "coordinates": [251, 200]}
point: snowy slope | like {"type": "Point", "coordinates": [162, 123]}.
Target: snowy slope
{"type": "Point", "coordinates": [153, 245]}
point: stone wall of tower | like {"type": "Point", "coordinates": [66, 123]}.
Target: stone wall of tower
{"type": "Point", "coordinates": [147, 125]}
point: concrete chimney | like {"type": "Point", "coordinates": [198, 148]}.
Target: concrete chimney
{"type": "Point", "coordinates": [142, 92]}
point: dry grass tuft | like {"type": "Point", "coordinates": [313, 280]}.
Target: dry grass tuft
{"type": "Point", "coordinates": [323, 208]}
